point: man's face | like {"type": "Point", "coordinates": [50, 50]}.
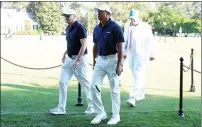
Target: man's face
{"type": "Point", "coordinates": [135, 21]}
{"type": "Point", "coordinates": [102, 15]}
{"type": "Point", "coordinates": [69, 19]}
{"type": "Point", "coordinates": [132, 21]}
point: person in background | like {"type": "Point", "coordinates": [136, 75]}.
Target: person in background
{"type": "Point", "coordinates": [139, 49]}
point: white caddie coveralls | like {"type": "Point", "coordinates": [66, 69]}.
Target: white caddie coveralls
{"type": "Point", "coordinates": [139, 47]}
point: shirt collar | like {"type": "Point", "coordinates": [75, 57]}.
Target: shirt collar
{"type": "Point", "coordinates": [74, 24]}
{"type": "Point", "coordinates": [108, 22]}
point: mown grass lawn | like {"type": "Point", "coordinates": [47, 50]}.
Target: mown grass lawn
{"type": "Point", "coordinates": [27, 106]}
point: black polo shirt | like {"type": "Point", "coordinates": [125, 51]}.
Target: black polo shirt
{"type": "Point", "coordinates": [73, 35]}
{"type": "Point", "coordinates": [107, 37]}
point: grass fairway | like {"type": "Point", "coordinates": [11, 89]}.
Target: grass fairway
{"type": "Point", "coordinates": [26, 95]}
{"type": "Point", "coordinates": [27, 106]}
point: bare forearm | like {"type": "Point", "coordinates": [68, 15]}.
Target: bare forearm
{"type": "Point", "coordinates": [120, 54]}
{"type": "Point", "coordinates": [82, 49]}
{"type": "Point", "coordinates": [81, 52]}
{"type": "Point", "coordinates": [94, 53]}
{"type": "Point", "coordinates": [65, 53]}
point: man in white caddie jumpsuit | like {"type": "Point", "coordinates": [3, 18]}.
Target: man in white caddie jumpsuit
{"type": "Point", "coordinates": [107, 57]}
{"type": "Point", "coordinates": [75, 63]}
{"type": "Point", "coordinates": [139, 49]}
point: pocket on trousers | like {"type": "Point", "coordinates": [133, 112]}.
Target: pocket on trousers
{"type": "Point", "coordinates": [115, 85]}
{"type": "Point", "coordinates": [83, 69]}
{"type": "Point", "coordinates": [67, 63]}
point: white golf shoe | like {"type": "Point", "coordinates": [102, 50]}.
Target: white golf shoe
{"type": "Point", "coordinates": [114, 120]}
{"type": "Point", "coordinates": [131, 101]}
{"type": "Point", "coordinates": [99, 118]}
{"type": "Point", "coordinates": [57, 111]}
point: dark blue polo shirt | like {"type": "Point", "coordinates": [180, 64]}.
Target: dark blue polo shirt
{"type": "Point", "coordinates": [107, 37]}
{"type": "Point", "coordinates": [73, 35]}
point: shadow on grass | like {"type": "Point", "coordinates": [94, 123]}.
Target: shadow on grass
{"type": "Point", "coordinates": [28, 106]}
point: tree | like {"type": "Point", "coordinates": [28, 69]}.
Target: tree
{"type": "Point", "coordinates": [191, 26]}
{"type": "Point", "coordinates": [33, 7]}
{"type": "Point", "coordinates": [187, 9]}
{"type": "Point", "coordinates": [75, 5]}
{"type": "Point", "coordinates": [168, 15]}
{"type": "Point", "coordinates": [48, 14]}
{"type": "Point", "coordinates": [120, 10]}
{"type": "Point", "coordinates": [19, 6]}
{"type": "Point", "coordinates": [197, 10]}
{"type": "Point", "coordinates": [85, 15]}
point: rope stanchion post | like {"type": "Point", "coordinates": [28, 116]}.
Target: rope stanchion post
{"type": "Point", "coordinates": [192, 88]}
{"type": "Point", "coordinates": [79, 99]}
{"type": "Point", "coordinates": [181, 112]}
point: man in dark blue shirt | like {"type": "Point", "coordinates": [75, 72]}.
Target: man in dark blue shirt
{"type": "Point", "coordinates": [107, 56]}
{"type": "Point", "coordinates": [75, 62]}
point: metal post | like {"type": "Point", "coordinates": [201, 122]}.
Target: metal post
{"type": "Point", "coordinates": [164, 23]}
{"type": "Point", "coordinates": [79, 99]}
{"type": "Point", "coordinates": [165, 36]}
{"type": "Point", "coordinates": [180, 112]}
{"type": "Point", "coordinates": [174, 33]}
{"type": "Point", "coordinates": [174, 30]}
{"type": "Point", "coordinates": [40, 36]}
{"type": "Point", "coordinates": [192, 88]}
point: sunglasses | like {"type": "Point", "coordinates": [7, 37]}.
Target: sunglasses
{"type": "Point", "coordinates": [66, 16]}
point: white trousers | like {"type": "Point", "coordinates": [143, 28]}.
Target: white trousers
{"type": "Point", "coordinates": [80, 73]}
{"type": "Point", "coordinates": [103, 67]}
{"type": "Point", "coordinates": [138, 66]}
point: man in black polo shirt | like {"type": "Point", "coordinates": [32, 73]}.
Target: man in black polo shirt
{"type": "Point", "coordinates": [107, 55]}
{"type": "Point", "coordinates": [75, 62]}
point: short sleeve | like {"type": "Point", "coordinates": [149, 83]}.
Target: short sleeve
{"type": "Point", "coordinates": [119, 35]}
{"type": "Point", "coordinates": [94, 39]}
{"type": "Point", "coordinates": [82, 32]}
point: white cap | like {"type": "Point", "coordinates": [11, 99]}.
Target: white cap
{"type": "Point", "coordinates": [103, 8]}
{"type": "Point", "coordinates": [67, 11]}
{"type": "Point", "coordinates": [134, 14]}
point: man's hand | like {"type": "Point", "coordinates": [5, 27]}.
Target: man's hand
{"type": "Point", "coordinates": [64, 56]}
{"type": "Point", "coordinates": [152, 58]}
{"type": "Point", "coordinates": [75, 64]}
{"type": "Point", "coordinates": [120, 57]}
{"type": "Point", "coordinates": [119, 70]}
{"type": "Point", "coordinates": [124, 56]}
{"type": "Point", "coordinates": [94, 63]}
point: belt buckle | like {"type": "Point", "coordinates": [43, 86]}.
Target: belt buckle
{"type": "Point", "coordinates": [73, 56]}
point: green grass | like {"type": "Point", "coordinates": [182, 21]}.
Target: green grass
{"type": "Point", "coordinates": [27, 106]}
